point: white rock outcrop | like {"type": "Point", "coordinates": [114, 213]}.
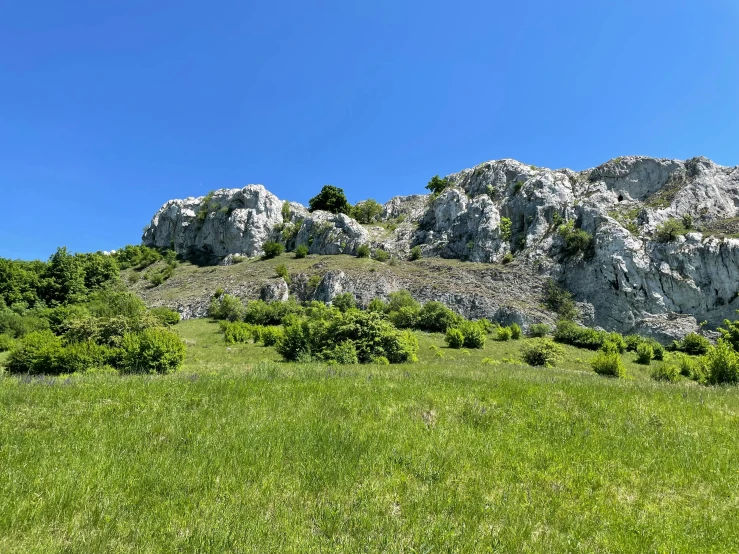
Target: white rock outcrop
{"type": "Point", "coordinates": [625, 280]}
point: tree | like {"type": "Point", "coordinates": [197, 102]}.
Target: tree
{"type": "Point", "coordinates": [366, 211]}
{"type": "Point", "coordinates": [436, 185]}
{"type": "Point", "coordinates": [669, 230]}
{"type": "Point", "coordinates": [65, 278]}
{"type": "Point", "coordinates": [330, 199]}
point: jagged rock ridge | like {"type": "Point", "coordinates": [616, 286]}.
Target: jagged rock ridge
{"type": "Point", "coordinates": [626, 280]}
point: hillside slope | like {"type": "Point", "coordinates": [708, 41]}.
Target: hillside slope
{"type": "Point", "coordinates": [594, 231]}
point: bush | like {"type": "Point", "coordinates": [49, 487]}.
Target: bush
{"type": "Point", "coordinates": [330, 199]}
{"type": "Point", "coordinates": [515, 331]}
{"type": "Point", "coordinates": [576, 240]}
{"type": "Point", "coordinates": [560, 301]}
{"type": "Point", "coordinates": [508, 258]}
{"type": "Point", "coordinates": [632, 341]}
{"type": "Point", "coordinates": [694, 344]}
{"type": "Point", "coordinates": [376, 305]}
{"type": "Point", "coordinates": [153, 350]}
{"type": "Point", "coordinates": [503, 333]}
{"type": "Point", "coordinates": [272, 249]}
{"type": "Point", "coordinates": [569, 332]}
{"type": "Point", "coordinates": [436, 317]}
{"type": "Point", "coordinates": [344, 301]}
{"type": "Point", "coordinates": [399, 346]}
{"type": "Point", "coordinates": [236, 332]}
{"type": "Point", "coordinates": [79, 357]}
{"type": "Point", "coordinates": [165, 316]}
{"type": "Point", "coordinates": [381, 255]}
{"type": "Point", "coordinates": [436, 185]}
{"type": "Point", "coordinates": [539, 330]}
{"type": "Point", "coordinates": [37, 352]}
{"type": "Point", "coordinates": [270, 336]}
{"type": "Point", "coordinates": [658, 351]}
{"type": "Point", "coordinates": [506, 228]}
{"type": "Point", "coordinates": [721, 364]}
{"type": "Point", "coordinates": [400, 299]}
{"type": "Point", "coordinates": [668, 230]}
{"type": "Point", "coordinates": [609, 347]}
{"type": "Point", "coordinates": [487, 325]}
{"type": "Point", "coordinates": [666, 372]}
{"type": "Point", "coordinates": [608, 364]}
{"type": "Point", "coordinates": [363, 251]}
{"type": "Point", "coordinates": [542, 352]}
{"type": "Point", "coordinates": [281, 271]}
{"type": "Point", "coordinates": [618, 341]}
{"type": "Point", "coordinates": [6, 342]}
{"type": "Point", "coordinates": [407, 317]}
{"type": "Point", "coordinates": [226, 307]}
{"type": "Point", "coordinates": [301, 251]}
{"type": "Point", "coordinates": [644, 354]}
{"type": "Point", "coordinates": [295, 343]}
{"type": "Point", "coordinates": [454, 338]}
{"type": "Point", "coordinates": [415, 253]}
{"type": "Point", "coordinates": [343, 353]}
{"type": "Point", "coordinates": [367, 211]}
{"type": "Point", "coordinates": [730, 333]}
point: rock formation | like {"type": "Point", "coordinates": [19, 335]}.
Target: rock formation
{"type": "Point", "coordinates": [625, 279]}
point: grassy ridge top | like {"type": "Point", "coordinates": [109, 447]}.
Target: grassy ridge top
{"type": "Point", "coordinates": [240, 453]}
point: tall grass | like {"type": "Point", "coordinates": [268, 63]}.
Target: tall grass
{"type": "Point", "coordinates": [242, 453]}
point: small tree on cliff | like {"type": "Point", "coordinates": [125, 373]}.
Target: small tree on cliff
{"type": "Point", "coordinates": [330, 199]}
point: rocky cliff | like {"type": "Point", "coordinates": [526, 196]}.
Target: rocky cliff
{"type": "Point", "coordinates": [625, 278]}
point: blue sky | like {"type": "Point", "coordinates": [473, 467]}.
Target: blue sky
{"type": "Point", "coordinates": [108, 109]}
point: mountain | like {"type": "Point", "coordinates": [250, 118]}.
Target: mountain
{"type": "Point", "coordinates": [645, 245]}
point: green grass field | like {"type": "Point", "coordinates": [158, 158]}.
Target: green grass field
{"type": "Point", "coordinates": [239, 452]}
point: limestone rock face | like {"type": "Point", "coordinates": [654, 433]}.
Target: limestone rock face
{"type": "Point", "coordinates": [624, 278]}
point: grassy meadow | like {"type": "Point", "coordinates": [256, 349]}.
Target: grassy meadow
{"type": "Point", "coordinates": [239, 452]}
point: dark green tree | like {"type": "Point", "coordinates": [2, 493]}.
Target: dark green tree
{"type": "Point", "coordinates": [436, 185]}
{"type": "Point", "coordinates": [330, 199]}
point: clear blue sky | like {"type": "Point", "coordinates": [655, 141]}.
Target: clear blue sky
{"type": "Point", "coordinates": [108, 109]}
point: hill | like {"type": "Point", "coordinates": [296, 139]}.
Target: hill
{"type": "Point", "coordinates": [645, 245]}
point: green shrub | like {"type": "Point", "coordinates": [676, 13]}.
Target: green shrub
{"type": "Point", "coordinates": [270, 336]}
{"type": "Point", "coordinates": [366, 211]}
{"type": "Point", "coordinates": [6, 342]}
{"type": "Point", "coordinates": [632, 341]}
{"type": "Point", "coordinates": [644, 354]}
{"type": "Point", "coordinates": [399, 347]}
{"type": "Point", "coordinates": [730, 333]}
{"type": "Point", "coordinates": [503, 334]}
{"type": "Point", "coordinates": [506, 230]}
{"type": "Point", "coordinates": [721, 364]}
{"type": "Point", "coordinates": [666, 372]}
{"type": "Point", "coordinates": [165, 315]}
{"type": "Point", "coordinates": [281, 271]}
{"type": "Point", "coordinates": [363, 251]}
{"type": "Point", "coordinates": [344, 301]}
{"type": "Point", "coordinates": [343, 353]}
{"type": "Point", "coordinates": [236, 332]}
{"type": "Point", "coordinates": [301, 251]}
{"type": "Point", "coordinates": [407, 317]}
{"type": "Point", "coordinates": [560, 301]}
{"type": "Point", "coordinates": [377, 305]}
{"type": "Point", "coordinates": [693, 343]}
{"type": "Point", "coordinates": [508, 258]}
{"type": "Point", "coordinates": [487, 325]}
{"type": "Point", "coordinates": [542, 352]}
{"type": "Point", "coordinates": [609, 347]}
{"type": "Point", "coordinates": [415, 253]}
{"type": "Point", "coordinates": [38, 352]}
{"type": "Point", "coordinates": [515, 331]}
{"type": "Point", "coordinates": [618, 341]}
{"type": "Point", "coordinates": [608, 364]}
{"type": "Point", "coordinates": [658, 351]}
{"type": "Point", "coordinates": [539, 330]}
{"type": "Point", "coordinates": [381, 255]}
{"type": "Point", "coordinates": [154, 350]}
{"type": "Point", "coordinates": [668, 230]}
{"type": "Point", "coordinates": [400, 299]}
{"type": "Point", "coordinates": [380, 360]}
{"type": "Point", "coordinates": [569, 332]}
{"type": "Point", "coordinates": [79, 357]}
{"type": "Point", "coordinates": [436, 185]}
{"type": "Point", "coordinates": [272, 249]}
{"type": "Point", "coordinates": [436, 317]}
{"type": "Point", "coordinates": [576, 240]}
{"type": "Point", "coordinates": [295, 343]}
{"type": "Point", "coordinates": [454, 338]}
{"type": "Point", "coordinates": [227, 307]}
